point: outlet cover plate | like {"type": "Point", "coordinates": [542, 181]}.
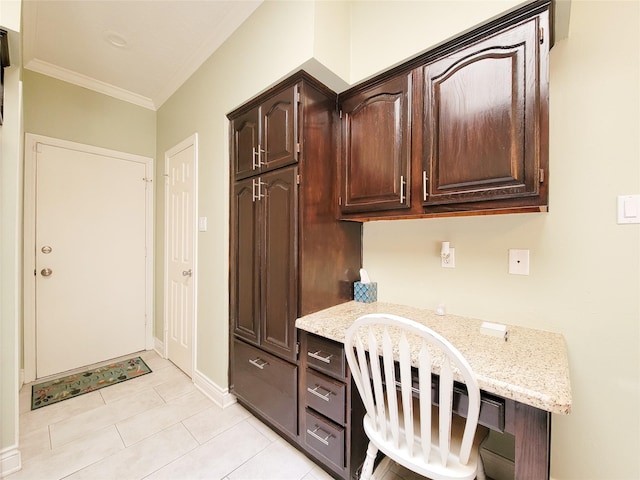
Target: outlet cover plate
{"type": "Point", "coordinates": [449, 262]}
{"type": "Point", "coordinates": [518, 262]}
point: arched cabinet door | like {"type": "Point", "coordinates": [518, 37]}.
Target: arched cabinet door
{"type": "Point", "coordinates": [482, 119]}
{"type": "Point", "coordinates": [375, 166]}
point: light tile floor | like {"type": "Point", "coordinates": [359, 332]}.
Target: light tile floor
{"type": "Point", "coordinates": [159, 426]}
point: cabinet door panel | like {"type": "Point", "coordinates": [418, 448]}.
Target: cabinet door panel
{"type": "Point", "coordinates": [279, 141]}
{"type": "Point", "coordinates": [376, 147]}
{"type": "Point", "coordinates": [481, 120]}
{"type": "Point", "coordinates": [244, 142]}
{"type": "Point", "coordinates": [279, 291]}
{"type": "Point", "coordinates": [245, 287]}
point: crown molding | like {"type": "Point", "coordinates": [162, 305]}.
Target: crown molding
{"type": "Point", "coordinates": [80, 80]}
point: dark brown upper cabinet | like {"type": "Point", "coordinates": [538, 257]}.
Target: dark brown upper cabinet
{"type": "Point", "coordinates": [460, 130]}
{"type": "Point", "coordinates": [266, 137]}
{"type": "Point", "coordinates": [482, 120]}
{"type": "Point", "coordinates": [376, 147]}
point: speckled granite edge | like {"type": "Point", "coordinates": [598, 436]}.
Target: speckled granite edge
{"type": "Point", "coordinates": [531, 367]}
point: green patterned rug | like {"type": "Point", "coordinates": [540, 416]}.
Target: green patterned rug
{"type": "Point", "coordinates": [54, 391]}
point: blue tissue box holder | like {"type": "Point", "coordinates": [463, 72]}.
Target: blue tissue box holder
{"type": "Point", "coordinates": [365, 292]}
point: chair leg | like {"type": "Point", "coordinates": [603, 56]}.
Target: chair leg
{"type": "Point", "coordinates": [480, 473]}
{"type": "Point", "coordinates": [367, 467]}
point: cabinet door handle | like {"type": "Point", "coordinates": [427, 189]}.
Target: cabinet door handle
{"type": "Point", "coordinates": [324, 396]}
{"type": "Point", "coordinates": [314, 434]}
{"type": "Point", "coordinates": [255, 154]}
{"type": "Point", "coordinates": [424, 185]}
{"type": "Point", "coordinates": [253, 190]}
{"type": "Point", "coordinates": [402, 188]}
{"type": "Point", "coordinates": [257, 184]}
{"type": "Point", "coordinates": [259, 363]}
{"type": "Point", "coordinates": [317, 356]}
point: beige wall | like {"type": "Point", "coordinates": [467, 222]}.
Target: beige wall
{"type": "Point", "coordinates": [579, 285]}
{"type": "Point", "coordinates": [10, 241]}
{"type": "Point", "coordinates": [10, 267]}
{"type": "Point", "coordinates": [585, 271]}
{"type": "Point", "coordinates": [61, 110]}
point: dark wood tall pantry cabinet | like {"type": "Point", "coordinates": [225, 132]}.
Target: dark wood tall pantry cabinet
{"type": "Point", "coordinates": [289, 256]}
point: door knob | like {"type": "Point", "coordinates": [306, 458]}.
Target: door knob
{"type": "Point", "coordinates": [187, 273]}
{"type": "Point", "coordinates": [45, 272]}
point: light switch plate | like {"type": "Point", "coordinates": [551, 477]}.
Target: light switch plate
{"type": "Point", "coordinates": [628, 209]}
{"type": "Point", "coordinates": [202, 224]}
{"type": "Point", "coordinates": [518, 262]}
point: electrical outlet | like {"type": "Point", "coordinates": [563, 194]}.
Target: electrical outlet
{"type": "Point", "coordinates": [518, 262]}
{"type": "Point", "coordinates": [450, 260]}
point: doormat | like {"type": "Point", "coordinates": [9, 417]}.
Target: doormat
{"type": "Point", "coordinates": [54, 391]}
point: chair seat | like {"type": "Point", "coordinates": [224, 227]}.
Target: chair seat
{"type": "Point", "coordinates": [415, 461]}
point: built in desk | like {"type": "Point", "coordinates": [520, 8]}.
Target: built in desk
{"type": "Point", "coordinates": [523, 380]}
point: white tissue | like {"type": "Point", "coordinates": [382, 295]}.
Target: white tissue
{"type": "Point", "coordinates": [364, 277]}
{"type": "Point", "coordinates": [494, 330]}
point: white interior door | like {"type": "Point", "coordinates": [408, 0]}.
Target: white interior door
{"type": "Point", "coordinates": [180, 242]}
{"type": "Point", "coordinates": [90, 265]}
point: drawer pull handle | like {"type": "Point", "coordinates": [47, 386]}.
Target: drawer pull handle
{"type": "Point", "coordinates": [259, 362]}
{"type": "Point", "coordinates": [324, 396]}
{"type": "Point", "coordinates": [314, 434]}
{"type": "Point", "coordinates": [317, 356]}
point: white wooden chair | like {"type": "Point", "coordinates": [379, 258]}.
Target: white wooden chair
{"type": "Point", "coordinates": [401, 422]}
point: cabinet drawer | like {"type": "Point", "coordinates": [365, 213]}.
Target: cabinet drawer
{"type": "Point", "coordinates": [326, 396]}
{"type": "Point", "coordinates": [326, 355]}
{"type": "Point", "coordinates": [324, 438]}
{"type": "Point", "coordinates": [266, 383]}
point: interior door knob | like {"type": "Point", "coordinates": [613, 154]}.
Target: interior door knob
{"type": "Point", "coordinates": [187, 273]}
{"type": "Point", "coordinates": [46, 272]}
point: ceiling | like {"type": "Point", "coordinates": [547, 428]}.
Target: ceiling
{"type": "Point", "coordinates": [140, 51]}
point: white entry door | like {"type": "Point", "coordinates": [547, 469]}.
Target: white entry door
{"type": "Point", "coordinates": [90, 265]}
{"type": "Point", "coordinates": [180, 252]}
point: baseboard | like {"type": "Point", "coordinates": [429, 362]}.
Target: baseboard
{"type": "Point", "coordinates": [10, 461]}
{"type": "Point", "coordinates": [220, 396]}
{"type": "Point", "coordinates": [158, 346]}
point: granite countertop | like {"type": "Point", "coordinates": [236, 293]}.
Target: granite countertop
{"type": "Point", "coordinates": [530, 367]}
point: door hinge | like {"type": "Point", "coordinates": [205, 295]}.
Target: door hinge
{"type": "Point", "coordinates": [37, 147]}
{"type": "Point", "coordinates": [541, 35]}
{"type": "Point", "coordinates": [340, 201]}
{"type": "Point", "coordinates": [542, 175]}
{"type": "Point", "coordinates": [340, 113]}
{"type": "Point", "coordinates": [298, 147]}
{"type": "Point", "coordinates": [298, 179]}
{"type": "Point", "coordinates": [298, 97]}
{"type": "Point", "coordinates": [297, 348]}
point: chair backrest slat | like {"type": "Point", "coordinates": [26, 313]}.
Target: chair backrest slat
{"type": "Point", "coordinates": [406, 390]}
{"type": "Point", "coordinates": [424, 383]}
{"type": "Point", "coordinates": [380, 411]}
{"type": "Point", "coordinates": [390, 379]}
{"type": "Point", "coordinates": [445, 402]}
